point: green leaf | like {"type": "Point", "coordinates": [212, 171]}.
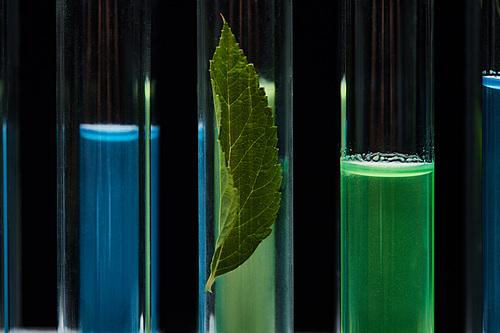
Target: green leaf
{"type": "Point", "coordinates": [248, 175]}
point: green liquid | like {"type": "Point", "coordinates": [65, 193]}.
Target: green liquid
{"type": "Point", "coordinates": [387, 247]}
{"type": "Point", "coordinates": [245, 297]}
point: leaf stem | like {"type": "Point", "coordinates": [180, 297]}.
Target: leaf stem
{"type": "Point", "coordinates": [211, 279]}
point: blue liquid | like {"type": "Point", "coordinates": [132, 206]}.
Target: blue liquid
{"type": "Point", "coordinates": [155, 227]}
{"type": "Point", "coordinates": [109, 227]}
{"type": "Point", "coordinates": [491, 204]}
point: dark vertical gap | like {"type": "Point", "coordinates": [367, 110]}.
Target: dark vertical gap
{"type": "Point", "coordinates": [381, 92]}
{"type": "Point", "coordinates": [257, 35]}
{"type": "Point", "coordinates": [117, 62]}
{"type": "Point", "coordinates": [240, 9]}
{"type": "Point", "coordinates": [99, 62]}
{"type": "Point", "coordinates": [108, 63]}
{"type": "Point", "coordinates": [393, 57]}
{"type": "Point", "coordinates": [88, 82]}
{"type": "Point", "coordinates": [373, 75]}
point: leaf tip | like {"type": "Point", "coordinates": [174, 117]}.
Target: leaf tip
{"type": "Point", "coordinates": [223, 19]}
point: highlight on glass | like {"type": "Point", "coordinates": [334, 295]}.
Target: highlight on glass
{"type": "Point", "coordinates": [10, 260]}
{"type": "Point", "coordinates": [387, 166]}
{"type": "Point", "coordinates": [107, 166]}
{"type": "Point", "coordinates": [245, 166]}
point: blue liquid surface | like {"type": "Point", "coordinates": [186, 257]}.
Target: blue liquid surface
{"type": "Point", "coordinates": [491, 204]}
{"type": "Point", "coordinates": [109, 227]}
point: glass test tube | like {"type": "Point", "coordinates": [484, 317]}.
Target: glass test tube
{"type": "Point", "coordinates": [490, 62]}
{"type": "Point", "coordinates": [257, 296]}
{"type": "Point", "coordinates": [387, 169]}
{"type": "Point", "coordinates": [10, 263]}
{"type": "Point", "coordinates": [107, 164]}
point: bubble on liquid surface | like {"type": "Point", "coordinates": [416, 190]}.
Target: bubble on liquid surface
{"type": "Point", "coordinates": [386, 158]}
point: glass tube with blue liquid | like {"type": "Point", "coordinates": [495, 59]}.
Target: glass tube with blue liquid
{"type": "Point", "coordinates": [108, 147]}
{"type": "Point", "coordinates": [490, 20]}
{"type": "Point", "coordinates": [10, 259]}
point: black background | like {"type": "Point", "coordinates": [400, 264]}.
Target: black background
{"type": "Point", "coordinates": [316, 151]}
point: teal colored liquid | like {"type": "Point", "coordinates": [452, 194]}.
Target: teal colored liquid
{"type": "Point", "coordinates": [155, 227]}
{"type": "Point", "coordinates": [491, 204]}
{"type": "Point", "coordinates": [387, 282]}
{"type": "Point", "coordinates": [109, 227]}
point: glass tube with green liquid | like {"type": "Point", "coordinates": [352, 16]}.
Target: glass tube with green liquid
{"type": "Point", "coordinates": [387, 167]}
{"type": "Point", "coordinates": [257, 295]}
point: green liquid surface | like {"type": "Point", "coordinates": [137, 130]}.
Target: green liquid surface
{"type": "Point", "coordinates": [387, 278]}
